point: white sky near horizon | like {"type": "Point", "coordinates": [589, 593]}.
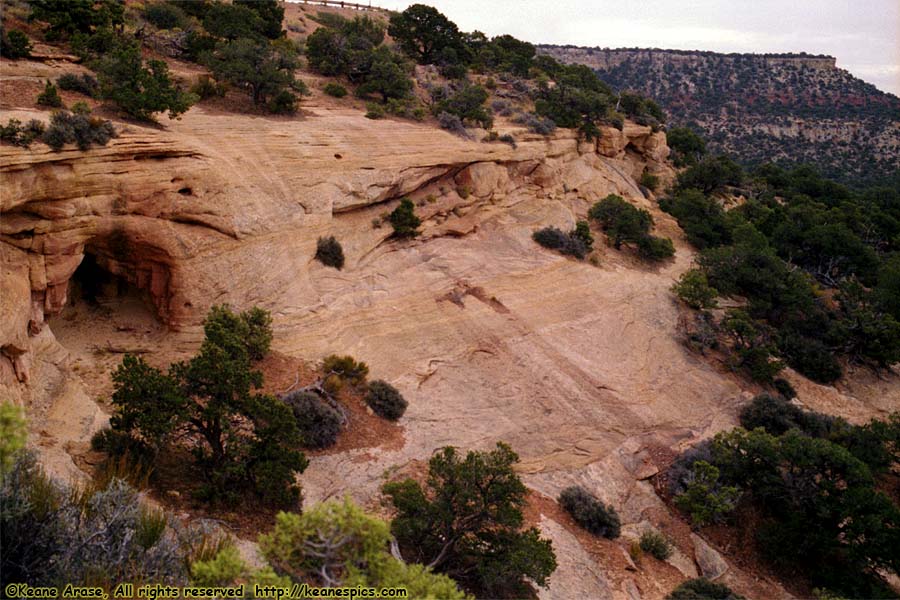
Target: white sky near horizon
{"type": "Point", "coordinates": [864, 35]}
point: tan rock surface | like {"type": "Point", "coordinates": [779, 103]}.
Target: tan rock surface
{"type": "Point", "coordinates": [489, 336]}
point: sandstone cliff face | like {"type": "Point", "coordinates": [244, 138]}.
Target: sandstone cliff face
{"type": "Point", "coordinates": [489, 336]}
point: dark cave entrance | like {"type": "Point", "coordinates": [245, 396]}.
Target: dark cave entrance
{"type": "Point", "coordinates": [105, 305]}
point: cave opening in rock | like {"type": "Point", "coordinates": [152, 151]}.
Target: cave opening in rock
{"type": "Point", "coordinates": [105, 311]}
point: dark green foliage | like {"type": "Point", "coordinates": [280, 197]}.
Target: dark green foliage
{"type": "Point", "coordinates": [241, 439]}
{"type": "Point", "coordinates": [318, 422]}
{"type": "Point", "coordinates": [642, 110]}
{"type": "Point", "coordinates": [83, 84]}
{"type": "Point", "coordinates": [887, 291]}
{"type": "Point", "coordinates": [751, 345]}
{"type": "Point", "coordinates": [282, 103]}
{"type": "Point", "coordinates": [329, 252]}
{"type": "Point", "coordinates": [688, 148]}
{"type": "Point", "coordinates": [77, 128]}
{"type": "Point", "coordinates": [651, 247]}
{"type": "Point", "coordinates": [67, 17]}
{"type": "Point", "coordinates": [194, 8]}
{"type": "Point", "coordinates": [53, 536]}
{"type": "Point", "coordinates": [49, 97]}
{"type": "Point", "coordinates": [21, 135]}
{"type": "Point", "coordinates": [503, 53]}
{"type": "Point", "coordinates": [579, 100]}
{"type": "Point", "coordinates": [621, 221]}
{"type": "Point", "coordinates": [656, 545]}
{"type": "Point", "coordinates": [589, 512]}
{"type": "Point", "coordinates": [270, 14]}
{"type": "Point", "coordinates": [335, 89]}
{"type": "Point", "coordinates": [426, 35]}
{"type": "Point", "coordinates": [14, 44]}
{"type": "Point", "coordinates": [467, 103]}
{"type": "Point", "coordinates": [702, 589]}
{"type": "Point", "coordinates": [354, 49]}
{"type": "Point", "coordinates": [778, 416]}
{"type": "Point", "coordinates": [702, 218]}
{"type": "Point", "coordinates": [694, 289]}
{"type": "Point", "coordinates": [819, 501]}
{"type": "Point", "coordinates": [711, 175]}
{"type": "Point", "coordinates": [385, 400]}
{"type": "Point", "coordinates": [785, 389]}
{"type": "Point", "coordinates": [404, 219]}
{"type": "Point", "coordinates": [582, 231]}
{"type": "Point", "coordinates": [386, 77]}
{"type": "Point", "coordinates": [265, 69]}
{"type": "Point", "coordinates": [91, 47]}
{"type": "Point", "coordinates": [232, 22]}
{"type": "Point", "coordinates": [467, 521]}
{"type": "Point", "coordinates": [164, 15]}
{"type": "Point", "coordinates": [704, 497]}
{"type": "Point", "coordinates": [140, 89]}
{"type": "Point", "coordinates": [565, 243]}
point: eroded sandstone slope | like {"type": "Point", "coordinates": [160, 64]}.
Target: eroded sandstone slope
{"type": "Point", "coordinates": [489, 336]}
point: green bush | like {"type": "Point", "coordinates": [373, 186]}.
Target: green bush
{"type": "Point", "coordinates": [83, 84]}
{"type": "Point", "coordinates": [702, 589]}
{"type": "Point", "coordinates": [687, 147]}
{"type": "Point", "coordinates": [330, 253]}
{"type": "Point", "coordinates": [21, 135]}
{"type": "Point", "coordinates": [404, 219]}
{"type": "Point", "coordinates": [335, 89]}
{"type": "Point", "coordinates": [241, 440]}
{"type": "Point", "coordinates": [818, 502]}
{"type": "Point", "coordinates": [53, 535]}
{"type": "Point", "coordinates": [337, 544]}
{"type": "Point", "coordinates": [582, 231]}
{"type": "Point", "coordinates": [426, 35]}
{"type": "Point", "coordinates": [140, 89]}
{"type": "Point", "coordinates": [385, 400]}
{"type": "Point", "coordinates": [14, 44]}
{"type": "Point", "coordinates": [651, 247]}
{"type": "Point", "coordinates": [565, 243]}
{"type": "Point", "coordinates": [347, 368]}
{"type": "Point", "coordinates": [67, 17]}
{"type": "Point", "coordinates": [702, 218]}
{"type": "Point", "coordinates": [164, 15]}
{"type": "Point", "coordinates": [265, 69]}
{"type": "Point", "coordinates": [318, 422]}
{"type": "Point", "coordinates": [467, 521]}
{"type": "Point", "coordinates": [282, 102]}
{"type": "Point", "coordinates": [621, 221]}
{"type": "Point", "coordinates": [77, 128]}
{"type": "Point", "coordinates": [50, 96]}
{"type": "Point", "coordinates": [590, 513]}
{"type": "Point", "coordinates": [656, 544]}
{"type": "Point", "coordinates": [13, 435]}
{"type": "Point", "coordinates": [711, 175]}
{"type": "Point", "coordinates": [374, 111]}
{"type": "Point", "coordinates": [694, 289]}
{"type": "Point", "coordinates": [778, 416]}
{"type": "Point", "coordinates": [785, 389]}
{"type": "Point", "coordinates": [705, 499]}
{"type": "Point", "coordinates": [467, 103]}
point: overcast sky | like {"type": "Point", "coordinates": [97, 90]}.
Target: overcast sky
{"type": "Point", "coordinates": [864, 35]}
